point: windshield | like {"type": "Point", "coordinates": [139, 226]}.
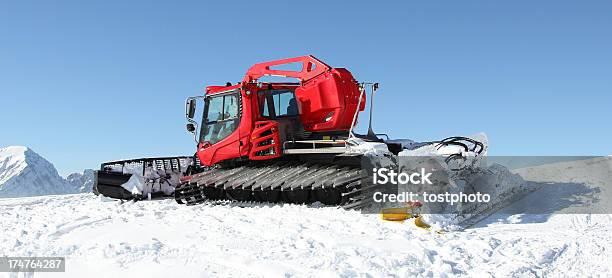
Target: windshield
{"type": "Point", "coordinates": [221, 117]}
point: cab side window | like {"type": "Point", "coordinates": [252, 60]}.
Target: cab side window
{"type": "Point", "coordinates": [230, 107]}
{"type": "Point", "coordinates": [278, 103]}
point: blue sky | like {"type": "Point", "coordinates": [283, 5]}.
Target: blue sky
{"type": "Point", "coordinates": [82, 83]}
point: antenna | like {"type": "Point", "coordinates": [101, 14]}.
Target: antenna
{"type": "Point", "coordinates": [373, 87]}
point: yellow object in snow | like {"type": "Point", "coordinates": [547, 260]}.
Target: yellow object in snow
{"type": "Point", "coordinates": [418, 221]}
{"type": "Point", "coordinates": [404, 213]}
{"type": "Point", "coordinates": [395, 214]}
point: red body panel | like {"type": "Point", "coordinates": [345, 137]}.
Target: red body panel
{"type": "Point", "coordinates": [265, 138]}
{"type": "Point", "coordinates": [327, 99]}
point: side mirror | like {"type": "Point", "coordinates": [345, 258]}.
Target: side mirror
{"type": "Point", "coordinates": [190, 108]}
{"type": "Point", "coordinates": [191, 128]}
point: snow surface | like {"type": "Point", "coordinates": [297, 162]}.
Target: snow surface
{"type": "Point", "coordinates": [25, 173]}
{"type": "Point", "coordinates": [103, 238]}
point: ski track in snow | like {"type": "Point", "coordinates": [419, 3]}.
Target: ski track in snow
{"type": "Point", "coordinates": [162, 238]}
{"type": "Point", "coordinates": [102, 238]}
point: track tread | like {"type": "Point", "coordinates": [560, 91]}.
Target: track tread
{"type": "Point", "coordinates": [274, 177]}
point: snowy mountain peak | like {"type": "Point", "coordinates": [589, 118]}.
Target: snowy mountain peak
{"type": "Point", "coordinates": [13, 161]}
{"type": "Point", "coordinates": [83, 182]}
{"type": "Point", "coordinates": [23, 172]}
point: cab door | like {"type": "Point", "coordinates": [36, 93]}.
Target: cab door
{"type": "Point", "coordinates": [219, 137]}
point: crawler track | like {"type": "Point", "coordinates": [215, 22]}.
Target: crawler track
{"type": "Point", "coordinates": [276, 182]}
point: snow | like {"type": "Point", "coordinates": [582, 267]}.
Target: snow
{"type": "Point", "coordinates": [164, 181]}
{"type": "Point", "coordinates": [162, 238]}
{"type": "Point", "coordinates": [495, 180]}
{"type": "Point", "coordinates": [135, 184]}
{"type": "Point", "coordinates": [357, 145]}
{"type": "Point", "coordinates": [12, 162]}
{"type": "Point", "coordinates": [25, 173]}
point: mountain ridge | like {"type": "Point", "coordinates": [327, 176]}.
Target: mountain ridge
{"type": "Point", "coordinates": [23, 172]}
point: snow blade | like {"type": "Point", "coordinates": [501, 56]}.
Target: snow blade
{"type": "Point", "coordinates": [109, 184]}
